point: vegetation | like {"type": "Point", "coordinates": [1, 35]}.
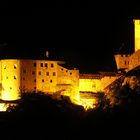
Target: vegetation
{"type": "Point", "coordinates": [47, 116]}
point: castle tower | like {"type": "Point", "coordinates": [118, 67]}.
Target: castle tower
{"type": "Point", "coordinates": [137, 34]}
{"type": "Point", "coordinates": [10, 70]}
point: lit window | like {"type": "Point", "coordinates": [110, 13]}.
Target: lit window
{"type": "Point", "coordinates": [41, 65]}
{"type": "Point", "coordinates": [39, 72]}
{"type": "Point", "coordinates": [33, 72]}
{"type": "Point", "coordinates": [46, 65]}
{"type": "Point", "coordinates": [54, 73]}
{"type": "Point", "coordinates": [34, 64]}
{"type": "Point", "coordinates": [47, 73]}
{"type": "Point", "coordinates": [50, 81]}
{"type": "Point", "coordinates": [15, 66]}
{"type": "Point", "coordinates": [52, 65]}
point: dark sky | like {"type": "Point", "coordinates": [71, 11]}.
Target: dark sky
{"type": "Point", "coordinates": [84, 34]}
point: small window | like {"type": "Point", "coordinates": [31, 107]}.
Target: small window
{"type": "Point", "coordinates": [66, 71]}
{"type": "Point", "coordinates": [50, 81]}
{"type": "Point", "coordinates": [15, 66]}
{"type": "Point", "coordinates": [41, 64]}
{"type": "Point", "coordinates": [54, 73]}
{"type": "Point", "coordinates": [10, 88]}
{"type": "Point", "coordinates": [34, 80]}
{"type": "Point", "coordinates": [33, 72]}
{"type": "Point", "coordinates": [34, 64]}
{"type": "Point", "coordinates": [43, 80]}
{"type": "Point", "coordinates": [52, 65]}
{"type": "Point", "coordinates": [70, 73]}
{"type": "Point", "coordinates": [23, 78]}
{"type": "Point", "coordinates": [24, 71]}
{"type": "Point", "coordinates": [7, 77]}
{"type": "Point", "coordinates": [39, 72]}
{"type": "Point", "coordinates": [34, 87]}
{"type": "Point", "coordinates": [125, 62]}
{"type": "Point", "coordinates": [47, 73]}
{"type": "Point", "coordinates": [94, 86]}
{"type": "Point", "coordinates": [4, 66]}
{"type": "Point", "coordinates": [62, 69]}
{"type": "Point", "coordinates": [46, 65]}
{"type": "Point", "coordinates": [15, 77]}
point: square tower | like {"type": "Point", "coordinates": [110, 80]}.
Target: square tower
{"type": "Point", "coordinates": [137, 34]}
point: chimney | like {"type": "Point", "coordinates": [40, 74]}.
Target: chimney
{"type": "Point", "coordinates": [47, 54]}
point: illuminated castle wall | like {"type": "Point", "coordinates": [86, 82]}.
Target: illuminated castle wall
{"type": "Point", "coordinates": [130, 61]}
{"type": "Point", "coordinates": [20, 75]}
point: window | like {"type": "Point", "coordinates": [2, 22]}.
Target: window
{"type": "Point", "coordinates": [70, 73]}
{"type": "Point", "coordinates": [125, 62]}
{"type": "Point", "coordinates": [10, 88]}
{"type": "Point", "coordinates": [33, 72]}
{"type": "Point", "coordinates": [50, 81]}
{"type": "Point", "coordinates": [94, 86]}
{"type": "Point", "coordinates": [34, 80]}
{"type": "Point", "coordinates": [24, 71]}
{"type": "Point", "coordinates": [41, 64]}
{"type": "Point", "coordinates": [47, 73]}
{"type": "Point", "coordinates": [23, 78]}
{"type": "Point", "coordinates": [15, 66]}
{"type": "Point", "coordinates": [52, 65]}
{"type": "Point", "coordinates": [34, 87]}
{"type": "Point", "coordinates": [54, 73]}
{"type": "Point", "coordinates": [62, 69]}
{"type": "Point", "coordinates": [34, 64]}
{"type": "Point", "coordinates": [43, 80]}
{"type": "Point", "coordinates": [15, 77]}
{"type": "Point", "coordinates": [4, 66]}
{"type": "Point", "coordinates": [7, 77]}
{"type": "Point", "coordinates": [66, 71]}
{"type": "Point", "coordinates": [46, 65]}
{"type": "Point", "coordinates": [39, 72]}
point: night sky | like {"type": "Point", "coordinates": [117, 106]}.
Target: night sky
{"type": "Point", "coordinates": [86, 35]}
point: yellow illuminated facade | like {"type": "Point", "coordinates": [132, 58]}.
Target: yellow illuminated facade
{"type": "Point", "coordinates": [137, 34]}
{"type": "Point", "coordinates": [21, 75]}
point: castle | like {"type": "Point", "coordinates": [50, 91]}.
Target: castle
{"type": "Point", "coordinates": [22, 75]}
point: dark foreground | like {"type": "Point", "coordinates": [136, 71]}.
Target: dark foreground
{"type": "Point", "coordinates": [45, 118]}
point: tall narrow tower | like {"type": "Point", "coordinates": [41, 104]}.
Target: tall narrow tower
{"type": "Point", "coordinates": [137, 34]}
